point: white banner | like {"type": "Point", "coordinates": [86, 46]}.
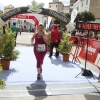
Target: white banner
{"type": "Point", "coordinates": [49, 20]}
{"type": "Point", "coordinates": [70, 26]}
{"type": "Point", "coordinates": [73, 15]}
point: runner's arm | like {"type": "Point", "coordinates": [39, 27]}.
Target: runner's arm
{"type": "Point", "coordinates": [45, 37]}
{"type": "Point", "coordinates": [32, 39]}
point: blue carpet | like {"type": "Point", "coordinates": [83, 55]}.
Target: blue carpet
{"type": "Point", "coordinates": [23, 70]}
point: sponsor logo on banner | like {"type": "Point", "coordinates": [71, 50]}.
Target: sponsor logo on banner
{"type": "Point", "coordinates": [10, 13]}
{"type": "Point", "coordinates": [57, 15]}
{"type": "Point", "coordinates": [93, 49]}
{"type": "Point", "coordinates": [90, 49]}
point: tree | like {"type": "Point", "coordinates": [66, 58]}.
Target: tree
{"type": "Point", "coordinates": [56, 21]}
{"type": "Point", "coordinates": [85, 16]}
{"type": "Point", "coordinates": [68, 16]}
{"type": "Point", "coordinates": [78, 17]}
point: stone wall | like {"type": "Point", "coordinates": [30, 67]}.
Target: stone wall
{"type": "Point", "coordinates": [95, 8]}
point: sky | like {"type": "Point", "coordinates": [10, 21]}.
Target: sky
{"type": "Point", "coordinates": [20, 3]}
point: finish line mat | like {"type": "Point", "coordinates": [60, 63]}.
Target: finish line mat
{"type": "Point", "coordinates": [55, 71]}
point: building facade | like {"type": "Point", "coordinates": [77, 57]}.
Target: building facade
{"type": "Point", "coordinates": [58, 6]}
{"type": "Point", "coordinates": [72, 2]}
{"type": "Point", "coordinates": [1, 12]}
{"type": "Point", "coordinates": [81, 5]}
{"type": "Point", "coordinates": [92, 6]}
{"type": "Point", "coordinates": [7, 8]}
{"type": "Point", "coordinates": [95, 8]}
{"type": "Point", "coordinates": [71, 5]}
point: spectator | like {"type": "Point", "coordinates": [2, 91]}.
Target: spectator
{"type": "Point", "coordinates": [73, 32]}
{"type": "Point", "coordinates": [20, 30]}
{"type": "Point", "coordinates": [54, 40]}
{"type": "Point", "coordinates": [14, 30]}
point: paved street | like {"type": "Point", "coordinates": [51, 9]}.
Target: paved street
{"type": "Point", "coordinates": [24, 40]}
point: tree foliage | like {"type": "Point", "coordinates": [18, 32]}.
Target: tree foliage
{"type": "Point", "coordinates": [56, 21]}
{"type": "Point", "coordinates": [68, 16]}
{"type": "Point", "coordinates": [2, 82]}
{"type": "Point", "coordinates": [65, 44]}
{"type": "Point", "coordinates": [85, 16]}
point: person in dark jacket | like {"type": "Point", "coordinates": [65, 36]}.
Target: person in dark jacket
{"type": "Point", "coordinates": [55, 37]}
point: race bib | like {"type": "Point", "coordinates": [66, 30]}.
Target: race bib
{"type": "Point", "coordinates": [41, 47]}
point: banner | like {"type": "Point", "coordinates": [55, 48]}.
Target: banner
{"type": "Point", "coordinates": [73, 38]}
{"type": "Point", "coordinates": [70, 26]}
{"type": "Point", "coordinates": [23, 16]}
{"type": "Point", "coordinates": [35, 8]}
{"type": "Point", "coordinates": [49, 20]}
{"type": "Point", "coordinates": [73, 15]}
{"type": "Point", "coordinates": [93, 50]}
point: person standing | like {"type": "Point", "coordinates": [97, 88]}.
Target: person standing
{"type": "Point", "coordinates": [40, 47]}
{"type": "Point", "coordinates": [14, 30]}
{"type": "Point", "coordinates": [73, 32]}
{"type": "Point", "coordinates": [20, 30]}
{"type": "Point", "coordinates": [55, 37]}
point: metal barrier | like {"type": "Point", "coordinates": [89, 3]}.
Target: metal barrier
{"type": "Point", "coordinates": [93, 50]}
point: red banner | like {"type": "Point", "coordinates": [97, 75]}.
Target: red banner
{"type": "Point", "coordinates": [93, 50]}
{"type": "Point", "coordinates": [73, 38]}
{"type": "Point", "coordinates": [23, 16]}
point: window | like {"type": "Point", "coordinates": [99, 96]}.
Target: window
{"type": "Point", "coordinates": [56, 5]}
{"type": "Point", "coordinates": [82, 4]}
{"type": "Point", "coordinates": [77, 8]}
{"type": "Point", "coordinates": [86, 2]}
{"type": "Point", "coordinates": [18, 21]}
{"type": "Point", "coordinates": [50, 6]}
{"type": "Point", "coordinates": [55, 0]}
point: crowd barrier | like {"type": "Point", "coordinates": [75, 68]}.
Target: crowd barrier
{"type": "Point", "coordinates": [75, 57]}
{"type": "Point", "coordinates": [92, 53]}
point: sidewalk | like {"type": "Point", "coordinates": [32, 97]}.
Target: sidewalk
{"type": "Point", "coordinates": [24, 40]}
{"type": "Point", "coordinates": [90, 96]}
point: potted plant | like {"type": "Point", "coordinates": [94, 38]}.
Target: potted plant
{"type": "Point", "coordinates": [1, 46]}
{"type": "Point", "coordinates": [65, 46]}
{"type": "Point", "coordinates": [8, 51]}
{"type": "Point", "coordinates": [2, 82]}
